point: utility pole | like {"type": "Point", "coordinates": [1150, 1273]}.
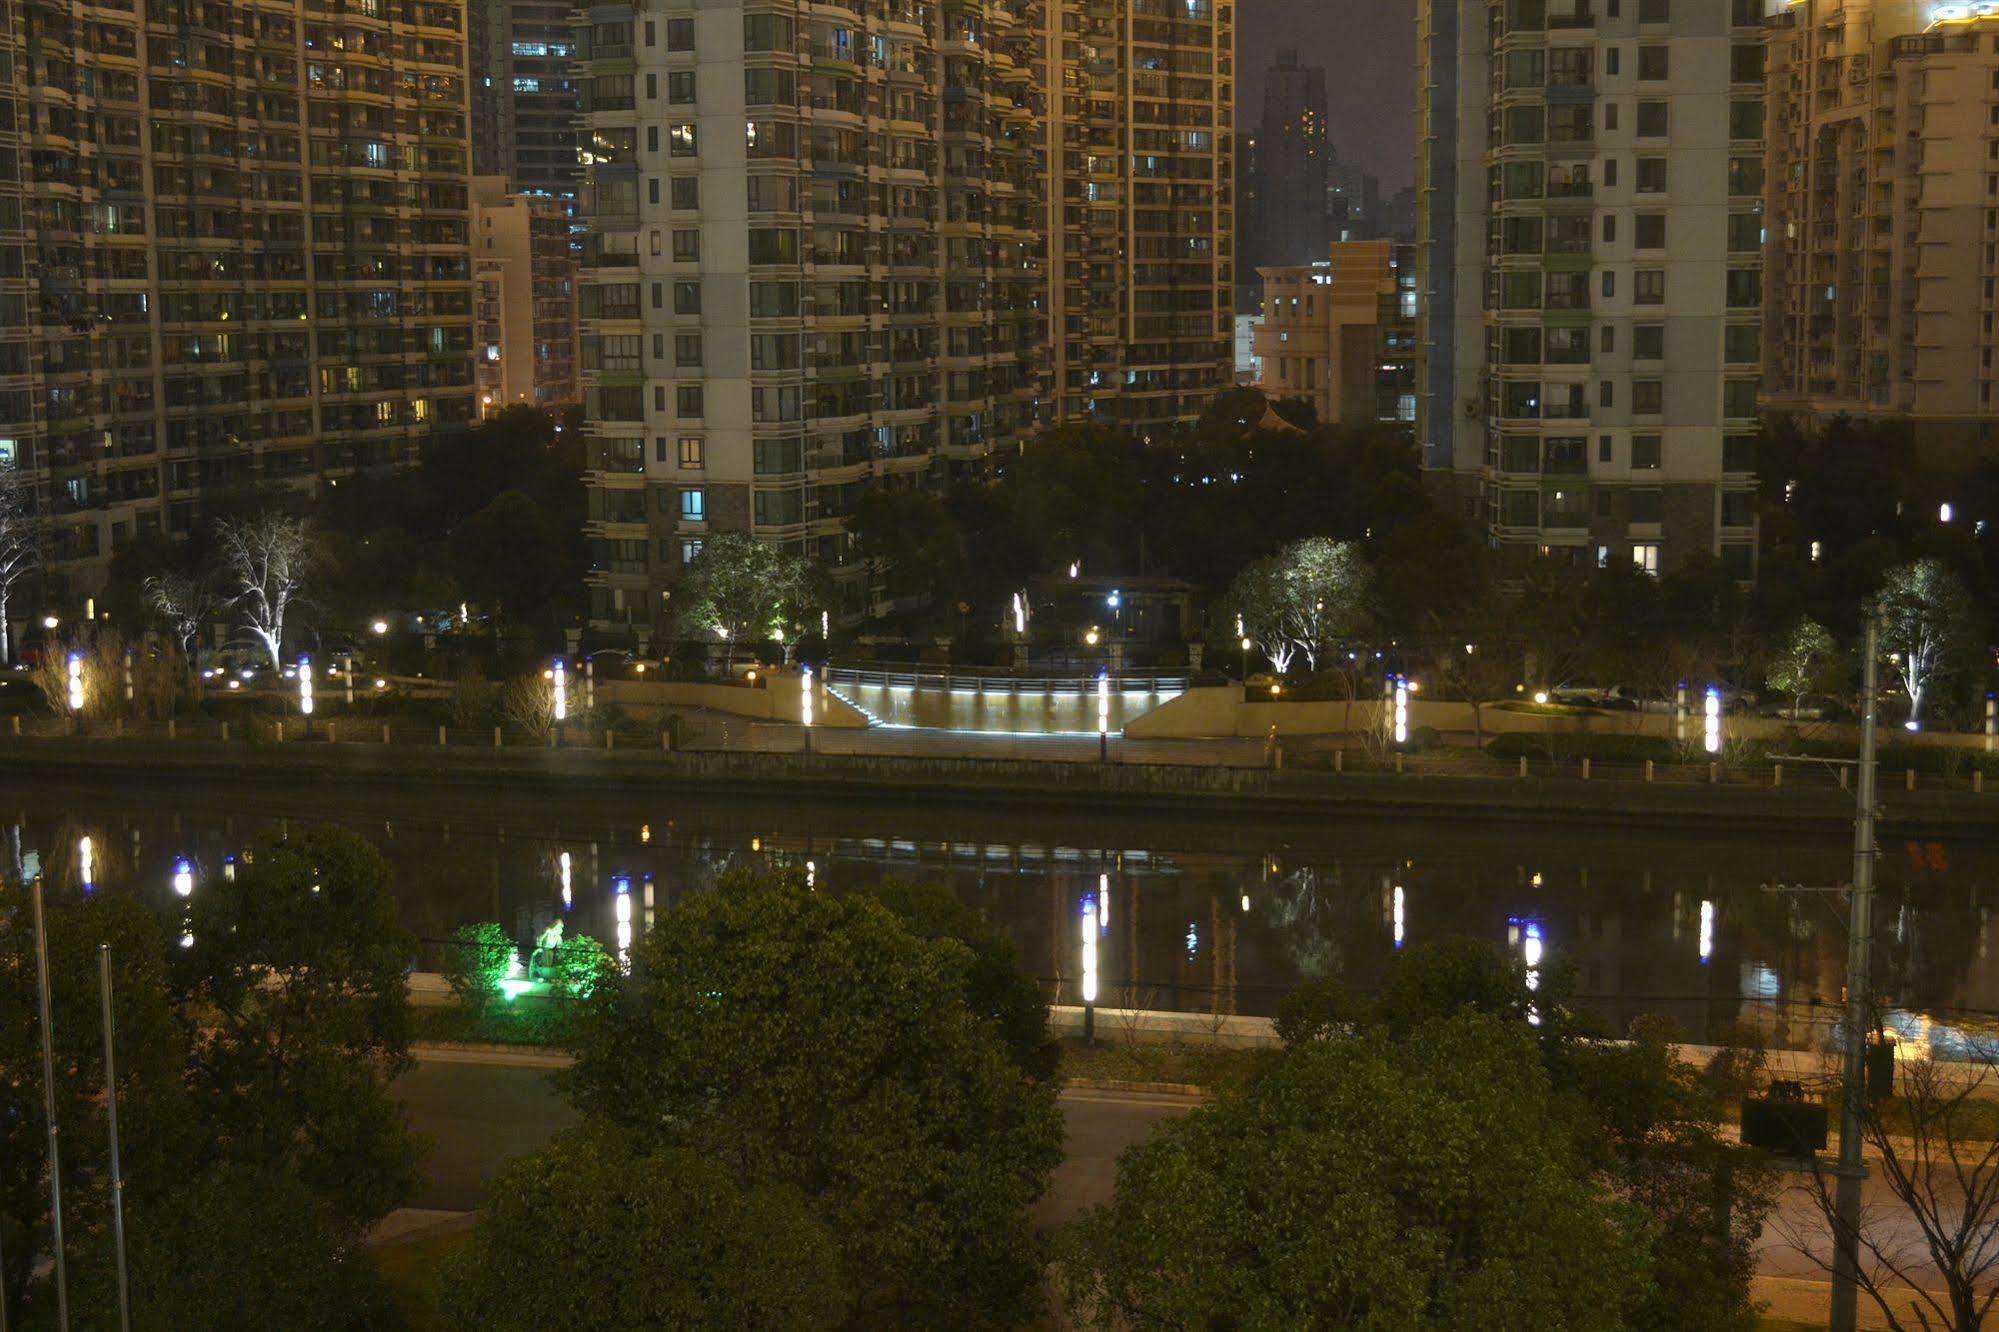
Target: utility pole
{"type": "Point", "coordinates": [111, 1103]}
{"type": "Point", "coordinates": [49, 1108]}
{"type": "Point", "coordinates": [1859, 949]}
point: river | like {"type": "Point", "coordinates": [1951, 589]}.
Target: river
{"type": "Point", "coordinates": [1218, 915]}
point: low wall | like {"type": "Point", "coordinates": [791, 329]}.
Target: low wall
{"type": "Point", "coordinates": [648, 700]}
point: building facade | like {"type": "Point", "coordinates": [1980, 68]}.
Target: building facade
{"type": "Point", "coordinates": [1292, 158]}
{"type": "Point", "coordinates": [525, 102]}
{"type": "Point", "coordinates": [830, 249]}
{"type": "Point", "coordinates": [1141, 233]}
{"type": "Point", "coordinates": [1590, 198]}
{"type": "Point", "coordinates": [1341, 334]}
{"type": "Point", "coordinates": [1883, 214]}
{"type": "Point", "coordinates": [245, 228]}
{"type": "Point", "coordinates": [525, 341]}
{"type": "Point", "coordinates": [813, 265]}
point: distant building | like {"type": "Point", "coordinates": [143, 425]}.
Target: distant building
{"type": "Point", "coordinates": [1248, 366]}
{"type": "Point", "coordinates": [1341, 334]}
{"type": "Point", "coordinates": [1879, 271]}
{"type": "Point", "coordinates": [1248, 220]}
{"type": "Point", "coordinates": [1292, 156]}
{"type": "Point", "coordinates": [525, 102]}
{"type": "Point", "coordinates": [1398, 215]}
{"type": "Point", "coordinates": [1589, 199]}
{"type": "Point", "coordinates": [524, 279]}
{"type": "Point", "coordinates": [1353, 203]}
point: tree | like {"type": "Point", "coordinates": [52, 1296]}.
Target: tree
{"type": "Point", "coordinates": [478, 959]}
{"type": "Point", "coordinates": [183, 602]}
{"type": "Point", "coordinates": [739, 588]}
{"type": "Point", "coordinates": [233, 1244]}
{"type": "Point", "coordinates": [1366, 1183]}
{"type": "Point", "coordinates": [1933, 1151]}
{"type": "Point", "coordinates": [811, 1041]}
{"type": "Point", "coordinates": [913, 536]}
{"type": "Point", "coordinates": [297, 965]}
{"type": "Point", "coordinates": [1301, 599]}
{"type": "Point", "coordinates": [1928, 622]}
{"type": "Point", "coordinates": [1805, 663]}
{"type": "Point", "coordinates": [20, 543]}
{"type": "Point", "coordinates": [265, 561]}
{"type": "Point", "coordinates": [997, 988]}
{"type": "Point", "coordinates": [511, 558]}
{"type": "Point", "coordinates": [596, 1231]}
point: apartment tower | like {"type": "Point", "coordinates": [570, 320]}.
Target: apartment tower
{"type": "Point", "coordinates": [836, 247]}
{"type": "Point", "coordinates": [1590, 198]}
{"type": "Point", "coordinates": [247, 262]}
{"type": "Point", "coordinates": [1340, 334]}
{"type": "Point", "coordinates": [525, 290]}
{"type": "Point", "coordinates": [1141, 227]}
{"type": "Point", "coordinates": [813, 265]}
{"type": "Point", "coordinates": [1883, 198]}
{"type": "Point", "coordinates": [1293, 157]}
{"type": "Point", "coordinates": [525, 103]}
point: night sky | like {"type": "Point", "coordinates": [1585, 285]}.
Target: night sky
{"type": "Point", "coordinates": [1369, 50]}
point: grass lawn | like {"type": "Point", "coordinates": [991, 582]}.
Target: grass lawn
{"type": "Point", "coordinates": [1114, 1060]}
{"type": "Point", "coordinates": [411, 1267]}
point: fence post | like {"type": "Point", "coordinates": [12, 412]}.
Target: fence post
{"type": "Point", "coordinates": [1777, 775]}
{"type": "Point", "coordinates": [118, 728]}
{"type": "Point", "coordinates": [1909, 782]}
{"type": "Point", "coordinates": [225, 733]}
{"type": "Point", "coordinates": [665, 741]}
{"type": "Point", "coordinates": [1398, 764]}
{"type": "Point", "coordinates": [1523, 765]}
{"type": "Point", "coordinates": [170, 726]}
{"type": "Point", "coordinates": [330, 735]}
{"type": "Point", "coordinates": [385, 733]}
{"type": "Point", "coordinates": [1978, 782]}
{"type": "Point", "coordinates": [1713, 773]}
{"type": "Point", "coordinates": [281, 730]}
{"type": "Point", "coordinates": [1339, 757]}
{"type": "Point", "coordinates": [496, 737]}
{"type": "Point", "coordinates": [1585, 769]}
{"type": "Point", "coordinates": [1844, 776]}
{"type": "Point", "coordinates": [440, 737]}
{"type": "Point", "coordinates": [610, 740]}
{"type": "Point", "coordinates": [16, 727]}
{"type": "Point", "coordinates": [1648, 770]}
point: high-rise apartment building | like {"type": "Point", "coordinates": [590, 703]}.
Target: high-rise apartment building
{"type": "Point", "coordinates": [813, 265]}
{"type": "Point", "coordinates": [1293, 155]}
{"type": "Point", "coordinates": [1353, 202]}
{"type": "Point", "coordinates": [1141, 229]}
{"type": "Point", "coordinates": [839, 247]}
{"type": "Point", "coordinates": [525, 102]}
{"type": "Point", "coordinates": [1340, 334]}
{"type": "Point", "coordinates": [1590, 192]}
{"type": "Point", "coordinates": [525, 299]}
{"type": "Point", "coordinates": [1883, 223]}
{"type": "Point", "coordinates": [247, 261]}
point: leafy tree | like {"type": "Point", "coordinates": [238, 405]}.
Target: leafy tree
{"type": "Point", "coordinates": [914, 537]}
{"type": "Point", "coordinates": [596, 1231]}
{"type": "Point", "coordinates": [477, 959]}
{"type": "Point", "coordinates": [234, 1244]}
{"type": "Point", "coordinates": [154, 1118]}
{"type": "Point", "coordinates": [264, 562]}
{"type": "Point", "coordinates": [1805, 664]}
{"type": "Point", "coordinates": [511, 557]}
{"type": "Point", "coordinates": [1315, 1011]}
{"type": "Point", "coordinates": [740, 589]}
{"type": "Point", "coordinates": [1300, 600]}
{"type": "Point", "coordinates": [1928, 623]}
{"type": "Point", "coordinates": [297, 965]}
{"type": "Point", "coordinates": [996, 987]}
{"type": "Point", "coordinates": [815, 1042]}
{"type": "Point", "coordinates": [1366, 1183]}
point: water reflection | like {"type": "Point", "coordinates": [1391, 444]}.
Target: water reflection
{"type": "Point", "coordinates": [1218, 916]}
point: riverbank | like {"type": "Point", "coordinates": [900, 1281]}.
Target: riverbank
{"type": "Point", "coordinates": [1174, 780]}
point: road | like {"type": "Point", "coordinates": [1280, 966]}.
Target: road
{"type": "Point", "coordinates": [481, 1109]}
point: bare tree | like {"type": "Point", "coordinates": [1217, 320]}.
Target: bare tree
{"type": "Point", "coordinates": [265, 562]}
{"type": "Point", "coordinates": [20, 544]}
{"type": "Point", "coordinates": [1933, 1152]}
{"type": "Point", "coordinates": [184, 602]}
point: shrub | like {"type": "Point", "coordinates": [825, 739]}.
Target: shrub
{"type": "Point", "coordinates": [478, 958]}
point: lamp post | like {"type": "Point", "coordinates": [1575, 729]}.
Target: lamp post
{"type": "Point", "coordinates": [559, 693]}
{"type": "Point", "coordinates": [1711, 728]}
{"type": "Point", "coordinates": [75, 696]}
{"type": "Point", "coordinates": [1245, 660]}
{"type": "Point", "coordinates": [305, 701]}
{"type": "Point", "coordinates": [1103, 716]}
{"type": "Point", "coordinates": [1401, 711]}
{"type": "Point", "coordinates": [805, 702]}
{"type": "Point", "coordinates": [1088, 927]}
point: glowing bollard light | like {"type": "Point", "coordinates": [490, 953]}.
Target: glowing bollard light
{"type": "Point", "coordinates": [305, 686]}
{"type": "Point", "coordinates": [621, 906]}
{"type": "Point", "coordinates": [1103, 901]}
{"type": "Point", "coordinates": [805, 703]}
{"type": "Point", "coordinates": [1103, 716]}
{"type": "Point", "coordinates": [1401, 711]}
{"type": "Point", "coordinates": [76, 682]}
{"type": "Point", "coordinates": [1707, 932]}
{"type": "Point", "coordinates": [1399, 914]}
{"type": "Point", "coordinates": [558, 676]}
{"type": "Point", "coordinates": [183, 878]}
{"type": "Point", "coordinates": [1531, 952]}
{"type": "Point", "coordinates": [562, 870]}
{"type": "Point", "coordinates": [1711, 733]}
{"type": "Point", "coordinates": [86, 863]}
{"type": "Point", "coordinates": [1089, 930]}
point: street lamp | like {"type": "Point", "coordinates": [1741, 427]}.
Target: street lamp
{"type": "Point", "coordinates": [380, 627]}
{"type": "Point", "coordinates": [1245, 655]}
{"type": "Point", "coordinates": [1091, 636]}
{"type": "Point", "coordinates": [50, 622]}
{"type": "Point", "coordinates": [1088, 928]}
{"type": "Point", "coordinates": [184, 878]}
